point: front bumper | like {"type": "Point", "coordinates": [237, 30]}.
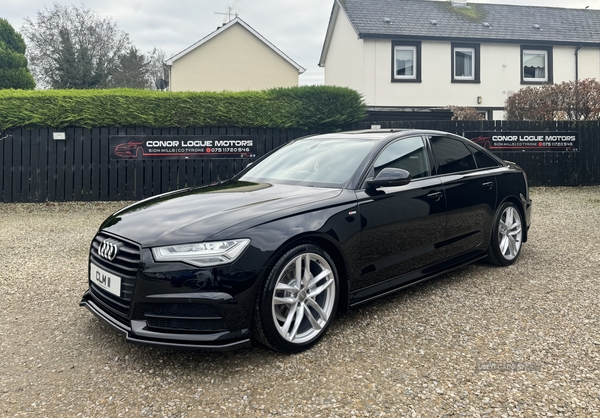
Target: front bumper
{"type": "Point", "coordinates": [138, 331]}
{"type": "Point", "coordinates": [172, 304]}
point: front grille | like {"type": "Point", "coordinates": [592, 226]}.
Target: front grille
{"type": "Point", "coordinates": [125, 265]}
{"type": "Point", "coordinates": [162, 324]}
{"type": "Point", "coordinates": [177, 317]}
{"type": "Point", "coordinates": [184, 310]}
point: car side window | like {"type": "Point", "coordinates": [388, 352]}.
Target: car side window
{"type": "Point", "coordinates": [452, 155]}
{"type": "Point", "coordinates": [408, 154]}
{"type": "Point", "coordinates": [483, 160]}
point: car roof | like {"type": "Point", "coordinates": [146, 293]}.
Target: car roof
{"type": "Point", "coordinates": [378, 134]}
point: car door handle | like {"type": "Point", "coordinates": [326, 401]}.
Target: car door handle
{"type": "Point", "coordinates": [488, 184]}
{"type": "Point", "coordinates": [435, 195]}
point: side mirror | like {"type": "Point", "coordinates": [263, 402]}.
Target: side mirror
{"type": "Point", "coordinates": [390, 177]}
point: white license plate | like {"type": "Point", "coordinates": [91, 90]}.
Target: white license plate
{"type": "Point", "coordinates": [105, 280]}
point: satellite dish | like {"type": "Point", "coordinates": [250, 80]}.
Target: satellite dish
{"type": "Point", "coordinates": [161, 83]}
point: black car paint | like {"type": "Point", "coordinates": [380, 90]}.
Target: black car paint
{"type": "Point", "coordinates": [430, 226]}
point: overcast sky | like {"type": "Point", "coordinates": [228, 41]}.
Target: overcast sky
{"type": "Point", "coordinates": [297, 27]}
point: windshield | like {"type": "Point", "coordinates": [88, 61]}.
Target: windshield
{"type": "Point", "coordinates": [312, 161]}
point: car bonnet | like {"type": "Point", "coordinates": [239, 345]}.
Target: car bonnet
{"type": "Point", "coordinates": [192, 215]}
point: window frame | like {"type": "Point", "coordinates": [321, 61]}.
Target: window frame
{"type": "Point", "coordinates": [549, 61]}
{"type": "Point", "coordinates": [475, 152]}
{"type": "Point", "coordinates": [476, 78]}
{"type": "Point", "coordinates": [426, 157]}
{"type": "Point", "coordinates": [414, 46]}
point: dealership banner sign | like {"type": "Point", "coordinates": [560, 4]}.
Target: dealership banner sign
{"type": "Point", "coordinates": [182, 146]}
{"type": "Point", "coordinates": [526, 140]}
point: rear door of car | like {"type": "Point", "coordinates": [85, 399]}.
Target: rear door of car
{"type": "Point", "coordinates": [470, 192]}
{"type": "Point", "coordinates": [402, 227]}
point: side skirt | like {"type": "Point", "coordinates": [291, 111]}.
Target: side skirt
{"type": "Point", "coordinates": [398, 283]}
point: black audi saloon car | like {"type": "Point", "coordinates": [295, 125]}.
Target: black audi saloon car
{"type": "Point", "coordinates": [315, 227]}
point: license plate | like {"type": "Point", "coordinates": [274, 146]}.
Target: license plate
{"type": "Point", "coordinates": [105, 280]}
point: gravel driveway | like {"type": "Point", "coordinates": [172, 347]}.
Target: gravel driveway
{"type": "Point", "coordinates": [481, 341]}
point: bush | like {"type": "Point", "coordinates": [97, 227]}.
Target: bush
{"type": "Point", "coordinates": [568, 100]}
{"type": "Point", "coordinates": [296, 107]}
{"type": "Point", "coordinates": [466, 113]}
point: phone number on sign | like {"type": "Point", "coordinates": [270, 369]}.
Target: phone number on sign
{"type": "Point", "coordinates": [219, 150]}
{"type": "Point", "coordinates": [202, 150]}
{"type": "Point", "coordinates": [558, 144]}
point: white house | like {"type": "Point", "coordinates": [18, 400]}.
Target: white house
{"type": "Point", "coordinates": [431, 54]}
{"type": "Point", "coordinates": [235, 57]}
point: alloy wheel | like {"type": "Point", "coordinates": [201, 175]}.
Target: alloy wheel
{"type": "Point", "coordinates": [303, 298]}
{"type": "Point", "coordinates": [510, 233]}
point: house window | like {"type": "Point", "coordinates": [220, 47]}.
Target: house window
{"type": "Point", "coordinates": [406, 61]}
{"type": "Point", "coordinates": [465, 63]}
{"type": "Point", "coordinates": [536, 65]}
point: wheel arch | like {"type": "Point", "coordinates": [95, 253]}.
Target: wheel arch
{"type": "Point", "coordinates": [331, 247]}
{"type": "Point", "coordinates": [262, 327]}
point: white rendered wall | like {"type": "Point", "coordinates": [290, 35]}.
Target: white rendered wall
{"type": "Point", "coordinates": [344, 61]}
{"type": "Point", "coordinates": [366, 65]}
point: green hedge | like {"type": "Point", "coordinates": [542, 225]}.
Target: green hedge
{"type": "Point", "coordinates": [296, 107]}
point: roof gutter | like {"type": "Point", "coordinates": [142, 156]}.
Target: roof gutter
{"type": "Point", "coordinates": [477, 40]}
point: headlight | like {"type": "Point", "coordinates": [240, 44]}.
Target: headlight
{"type": "Point", "coordinates": [205, 254]}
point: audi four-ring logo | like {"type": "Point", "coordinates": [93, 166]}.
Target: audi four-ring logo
{"type": "Point", "coordinates": [108, 249]}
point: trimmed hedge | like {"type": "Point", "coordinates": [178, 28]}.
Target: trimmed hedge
{"type": "Point", "coordinates": [296, 107]}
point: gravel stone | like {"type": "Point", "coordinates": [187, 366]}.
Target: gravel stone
{"type": "Point", "coordinates": [482, 341]}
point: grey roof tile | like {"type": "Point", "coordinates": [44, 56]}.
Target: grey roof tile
{"type": "Point", "coordinates": [507, 22]}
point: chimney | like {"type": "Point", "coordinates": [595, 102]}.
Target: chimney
{"type": "Point", "coordinates": [459, 3]}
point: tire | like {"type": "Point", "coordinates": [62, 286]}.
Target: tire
{"type": "Point", "coordinates": [507, 236]}
{"type": "Point", "coordinates": [296, 305]}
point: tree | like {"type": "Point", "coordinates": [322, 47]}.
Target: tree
{"type": "Point", "coordinates": [132, 70]}
{"type": "Point", "coordinates": [569, 100]}
{"type": "Point", "coordinates": [156, 66]}
{"type": "Point", "coordinates": [13, 63]}
{"type": "Point", "coordinates": [139, 71]}
{"type": "Point", "coordinates": [73, 47]}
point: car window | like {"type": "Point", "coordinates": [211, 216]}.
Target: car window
{"type": "Point", "coordinates": [318, 162]}
{"type": "Point", "coordinates": [483, 160]}
{"type": "Point", "coordinates": [408, 154]}
{"type": "Point", "coordinates": [452, 155]}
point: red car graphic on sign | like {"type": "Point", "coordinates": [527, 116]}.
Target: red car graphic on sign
{"type": "Point", "coordinates": [131, 149]}
{"type": "Point", "coordinates": [482, 141]}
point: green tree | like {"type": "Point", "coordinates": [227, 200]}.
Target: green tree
{"type": "Point", "coordinates": [132, 70]}
{"type": "Point", "coordinates": [76, 69]}
{"type": "Point", "coordinates": [13, 63]}
{"type": "Point", "coordinates": [68, 36]}
{"type": "Point", "coordinates": [65, 62]}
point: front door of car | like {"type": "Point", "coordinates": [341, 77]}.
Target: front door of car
{"type": "Point", "coordinates": [470, 193]}
{"type": "Point", "coordinates": [403, 227]}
